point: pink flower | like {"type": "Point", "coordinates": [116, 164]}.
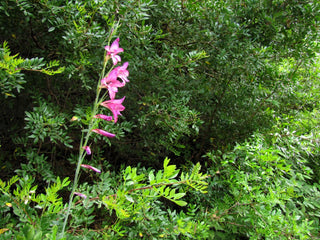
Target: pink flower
{"type": "Point", "coordinates": [104, 117]}
{"type": "Point", "coordinates": [80, 195]}
{"type": "Point", "coordinates": [104, 133]}
{"type": "Point", "coordinates": [122, 72]}
{"type": "Point", "coordinates": [90, 167]}
{"type": "Point", "coordinates": [88, 150]}
{"type": "Point", "coordinates": [115, 105]}
{"type": "Point", "coordinates": [112, 76]}
{"type": "Point", "coordinates": [113, 50]}
{"type": "Point", "coordinates": [111, 83]}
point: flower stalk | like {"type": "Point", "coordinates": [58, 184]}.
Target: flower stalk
{"type": "Point", "coordinates": [110, 82]}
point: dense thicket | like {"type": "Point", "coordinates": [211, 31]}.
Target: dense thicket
{"type": "Point", "coordinates": [233, 85]}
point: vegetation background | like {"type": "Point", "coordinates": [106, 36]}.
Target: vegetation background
{"type": "Point", "coordinates": [228, 86]}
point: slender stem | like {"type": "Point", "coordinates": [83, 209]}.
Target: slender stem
{"type": "Point", "coordinates": [84, 142]}
{"type": "Point", "coordinates": [76, 177]}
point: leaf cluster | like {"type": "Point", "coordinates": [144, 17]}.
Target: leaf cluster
{"type": "Point", "coordinates": [12, 65]}
{"type": "Point", "coordinates": [138, 194]}
{"type": "Point", "coordinates": [27, 214]}
{"type": "Point", "coordinates": [237, 79]}
{"type": "Point", "coordinates": [269, 184]}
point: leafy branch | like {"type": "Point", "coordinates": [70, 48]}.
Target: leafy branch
{"type": "Point", "coordinates": [11, 66]}
{"type": "Point", "coordinates": [162, 184]}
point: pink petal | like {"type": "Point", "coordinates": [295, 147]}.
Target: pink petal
{"type": "Point", "coordinates": [125, 65]}
{"type": "Point", "coordinates": [115, 105]}
{"type": "Point", "coordinates": [115, 101]}
{"type": "Point", "coordinates": [112, 76]}
{"type": "Point", "coordinates": [122, 72]}
{"type": "Point", "coordinates": [104, 117]}
{"type": "Point", "coordinates": [90, 167]}
{"type": "Point", "coordinates": [115, 45]}
{"type": "Point", "coordinates": [113, 88]}
{"type": "Point", "coordinates": [112, 92]}
{"type": "Point", "coordinates": [115, 59]}
{"type": "Point", "coordinates": [104, 133]}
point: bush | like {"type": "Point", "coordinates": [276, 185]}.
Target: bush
{"type": "Point", "coordinates": [237, 79]}
{"type": "Point", "coordinates": [268, 186]}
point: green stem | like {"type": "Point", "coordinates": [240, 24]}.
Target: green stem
{"type": "Point", "coordinates": [84, 142]}
{"type": "Point", "coordinates": [76, 177]}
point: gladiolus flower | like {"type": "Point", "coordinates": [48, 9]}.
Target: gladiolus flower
{"type": "Point", "coordinates": [104, 133]}
{"type": "Point", "coordinates": [104, 117]}
{"type": "Point", "coordinates": [115, 105]}
{"type": "Point", "coordinates": [80, 195]}
{"type": "Point", "coordinates": [90, 167]}
{"type": "Point", "coordinates": [111, 83]}
{"type": "Point", "coordinates": [122, 72]}
{"type": "Point", "coordinates": [113, 50]}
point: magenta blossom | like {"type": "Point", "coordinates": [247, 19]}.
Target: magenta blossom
{"type": "Point", "coordinates": [112, 76]}
{"type": "Point", "coordinates": [80, 195]}
{"type": "Point", "coordinates": [113, 50]}
{"type": "Point", "coordinates": [104, 133]}
{"type": "Point", "coordinates": [115, 105]}
{"type": "Point", "coordinates": [90, 167]}
{"type": "Point", "coordinates": [113, 88]}
{"type": "Point", "coordinates": [88, 150]}
{"type": "Point", "coordinates": [104, 117]}
{"type": "Point", "coordinates": [111, 83]}
{"type": "Point", "coordinates": [122, 72]}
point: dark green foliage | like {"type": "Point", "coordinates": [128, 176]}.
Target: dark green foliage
{"type": "Point", "coordinates": [213, 60]}
{"type": "Point", "coordinates": [209, 50]}
{"type": "Point", "coordinates": [236, 81]}
{"type": "Point", "coordinates": [43, 123]}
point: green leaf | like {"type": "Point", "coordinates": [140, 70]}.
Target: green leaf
{"type": "Point", "coordinates": [180, 203]}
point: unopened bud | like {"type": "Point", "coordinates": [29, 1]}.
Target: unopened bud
{"type": "Point", "coordinates": [74, 118]}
